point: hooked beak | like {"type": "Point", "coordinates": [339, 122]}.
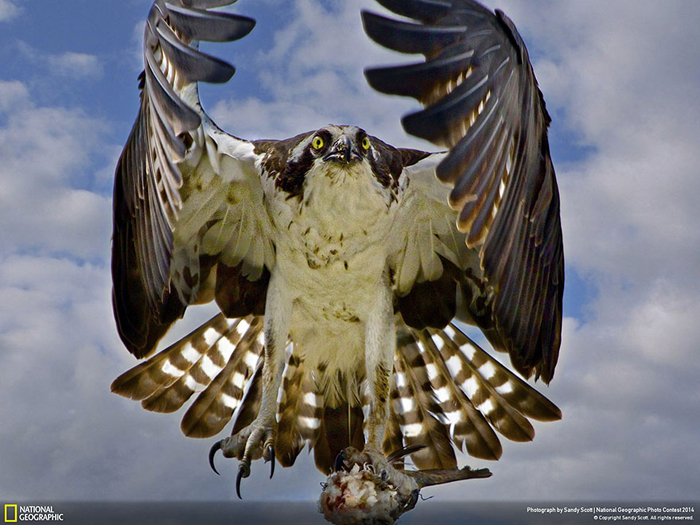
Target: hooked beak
{"type": "Point", "coordinates": [343, 150]}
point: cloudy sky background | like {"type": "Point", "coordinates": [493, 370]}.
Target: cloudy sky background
{"type": "Point", "coordinates": [622, 82]}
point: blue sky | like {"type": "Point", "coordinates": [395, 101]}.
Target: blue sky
{"type": "Point", "coordinates": [621, 79]}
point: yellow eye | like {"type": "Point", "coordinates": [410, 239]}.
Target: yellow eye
{"type": "Point", "coordinates": [365, 143]}
{"type": "Point", "coordinates": [317, 143]}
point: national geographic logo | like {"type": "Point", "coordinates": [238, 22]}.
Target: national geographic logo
{"type": "Point", "coordinates": [16, 513]}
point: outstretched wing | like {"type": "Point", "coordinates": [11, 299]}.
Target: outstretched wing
{"type": "Point", "coordinates": [481, 100]}
{"type": "Point", "coordinates": [187, 196]}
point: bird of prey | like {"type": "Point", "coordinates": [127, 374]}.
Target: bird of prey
{"type": "Point", "coordinates": [343, 266]}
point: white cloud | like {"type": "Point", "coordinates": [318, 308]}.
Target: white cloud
{"type": "Point", "coordinates": [663, 328]}
{"type": "Point", "coordinates": [12, 95]}
{"type": "Point", "coordinates": [42, 206]}
{"type": "Point", "coordinates": [69, 64]}
{"type": "Point", "coordinates": [252, 118]}
{"type": "Point", "coordinates": [75, 65]}
{"type": "Point", "coordinates": [8, 10]}
{"type": "Point", "coordinates": [55, 319]}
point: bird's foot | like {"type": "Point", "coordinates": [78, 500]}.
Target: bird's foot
{"type": "Point", "coordinates": [407, 482]}
{"type": "Point", "coordinates": [373, 460]}
{"type": "Point", "coordinates": [367, 488]}
{"type": "Point", "coordinates": [253, 442]}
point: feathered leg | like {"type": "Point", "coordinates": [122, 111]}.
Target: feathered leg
{"type": "Point", "coordinates": [257, 440]}
{"type": "Point", "coordinates": [380, 346]}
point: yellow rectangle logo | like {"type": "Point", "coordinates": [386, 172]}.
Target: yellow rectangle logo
{"type": "Point", "coordinates": [7, 517]}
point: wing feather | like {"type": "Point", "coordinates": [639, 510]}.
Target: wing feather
{"type": "Point", "coordinates": [220, 360]}
{"type": "Point", "coordinates": [194, 22]}
{"type": "Point", "coordinates": [448, 392]}
{"type": "Point", "coordinates": [509, 387]}
{"type": "Point", "coordinates": [169, 185]}
{"type": "Point", "coordinates": [481, 100]}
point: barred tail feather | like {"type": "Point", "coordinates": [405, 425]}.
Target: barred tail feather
{"type": "Point", "coordinates": [416, 408]}
{"type": "Point", "coordinates": [446, 385]}
{"type": "Point", "coordinates": [310, 410]}
{"type": "Point", "coordinates": [218, 359]}
{"type": "Point", "coordinates": [467, 424]}
{"type": "Point", "coordinates": [300, 417]}
{"type": "Point", "coordinates": [305, 418]}
{"type": "Point", "coordinates": [215, 406]}
{"type": "Point", "coordinates": [168, 366]}
{"type": "Point", "coordinates": [447, 395]}
{"type": "Point", "coordinates": [289, 441]}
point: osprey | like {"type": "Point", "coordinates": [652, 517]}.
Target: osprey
{"type": "Point", "coordinates": [341, 264]}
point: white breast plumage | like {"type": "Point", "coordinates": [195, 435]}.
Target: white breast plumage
{"type": "Point", "coordinates": [331, 253]}
{"type": "Point", "coordinates": [342, 212]}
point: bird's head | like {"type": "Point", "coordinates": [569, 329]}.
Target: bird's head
{"type": "Point", "coordinates": [334, 155]}
{"type": "Point", "coordinates": [346, 159]}
{"type": "Point", "coordinates": [343, 145]}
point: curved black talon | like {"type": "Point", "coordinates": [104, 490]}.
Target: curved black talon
{"type": "Point", "coordinates": [241, 469]}
{"type": "Point", "coordinates": [403, 452]}
{"type": "Point", "coordinates": [412, 501]}
{"type": "Point", "coordinates": [340, 461]}
{"type": "Point", "coordinates": [271, 453]}
{"type": "Point", "coordinates": [212, 452]}
{"type": "Point", "coordinates": [238, 482]}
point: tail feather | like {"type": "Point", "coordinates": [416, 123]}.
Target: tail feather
{"type": "Point", "coordinates": [466, 423]}
{"type": "Point", "coordinates": [447, 394]}
{"type": "Point", "coordinates": [310, 411]}
{"type": "Point", "coordinates": [472, 382]}
{"type": "Point", "coordinates": [215, 406]}
{"type": "Point", "coordinates": [341, 427]}
{"type": "Point", "coordinates": [416, 409]}
{"type": "Point", "coordinates": [513, 390]}
{"type": "Point", "coordinates": [289, 441]}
